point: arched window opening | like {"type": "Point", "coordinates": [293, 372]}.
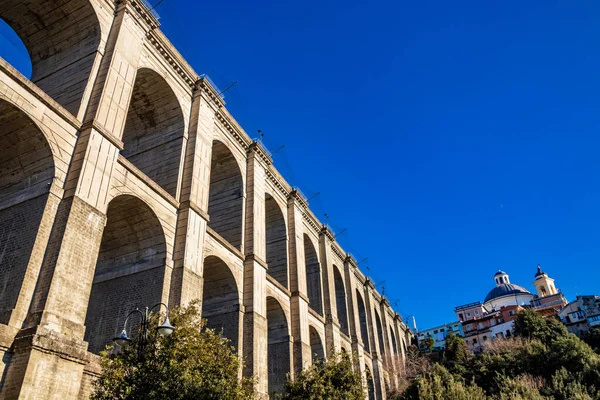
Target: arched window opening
{"type": "Point", "coordinates": [130, 269]}
{"type": "Point", "coordinates": [313, 276]}
{"type": "Point", "coordinates": [26, 175]}
{"type": "Point", "coordinates": [340, 300]}
{"type": "Point", "coordinates": [362, 316]}
{"type": "Point", "coordinates": [220, 299]}
{"type": "Point", "coordinates": [153, 133]}
{"type": "Point", "coordinates": [370, 383]}
{"type": "Point", "coordinates": [13, 50]}
{"type": "Point", "coordinates": [226, 195]}
{"type": "Point", "coordinates": [276, 241]}
{"type": "Point", "coordinates": [278, 349]}
{"type": "Point", "coordinates": [316, 345]}
{"type": "Point", "coordinates": [62, 39]}
{"type": "Point", "coordinates": [379, 334]}
{"type": "Point", "coordinates": [394, 347]}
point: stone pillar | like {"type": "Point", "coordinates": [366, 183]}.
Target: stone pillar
{"type": "Point", "coordinates": [49, 353]}
{"type": "Point", "coordinates": [298, 285]}
{"type": "Point", "coordinates": [111, 95]}
{"type": "Point", "coordinates": [378, 378]}
{"type": "Point", "coordinates": [354, 320]}
{"type": "Point", "coordinates": [255, 276]}
{"type": "Point", "coordinates": [187, 281]}
{"type": "Point", "coordinates": [332, 325]}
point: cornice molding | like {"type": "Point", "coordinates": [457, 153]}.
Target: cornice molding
{"type": "Point", "coordinates": [260, 151]}
{"type": "Point", "coordinates": [141, 11]}
{"type": "Point", "coordinates": [337, 251]}
{"type": "Point", "coordinates": [297, 196]}
{"type": "Point", "coordinates": [241, 138]}
{"type": "Point", "coordinates": [172, 57]}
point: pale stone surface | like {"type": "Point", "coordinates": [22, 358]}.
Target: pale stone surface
{"type": "Point", "coordinates": [124, 182]}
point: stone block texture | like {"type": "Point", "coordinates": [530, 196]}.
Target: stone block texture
{"type": "Point", "coordinates": [125, 182]}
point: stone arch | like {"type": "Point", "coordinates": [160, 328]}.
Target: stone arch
{"type": "Point", "coordinates": [226, 195]}
{"type": "Point", "coordinates": [220, 299]}
{"type": "Point", "coordinates": [17, 57]}
{"type": "Point", "coordinates": [362, 316]}
{"type": "Point", "coordinates": [278, 348]}
{"type": "Point", "coordinates": [62, 39]}
{"type": "Point", "coordinates": [313, 276]}
{"type": "Point", "coordinates": [27, 171]}
{"type": "Point", "coordinates": [340, 300]}
{"type": "Point", "coordinates": [316, 345]}
{"type": "Point", "coordinates": [154, 128]}
{"type": "Point", "coordinates": [394, 345]}
{"type": "Point", "coordinates": [129, 271]}
{"type": "Point", "coordinates": [276, 241]}
{"type": "Point", "coordinates": [370, 383]}
{"type": "Point", "coordinates": [379, 334]}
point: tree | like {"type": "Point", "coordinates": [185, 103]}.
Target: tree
{"type": "Point", "coordinates": [456, 351]}
{"type": "Point", "coordinates": [592, 337]}
{"type": "Point", "coordinates": [428, 342]}
{"type": "Point", "coordinates": [440, 384]}
{"type": "Point", "coordinates": [330, 379]}
{"type": "Point", "coordinates": [192, 363]}
{"type": "Point", "coordinates": [531, 325]}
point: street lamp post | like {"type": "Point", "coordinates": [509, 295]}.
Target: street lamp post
{"type": "Point", "coordinates": [165, 329]}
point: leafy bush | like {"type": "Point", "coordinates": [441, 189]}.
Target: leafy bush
{"type": "Point", "coordinates": [192, 363]}
{"type": "Point", "coordinates": [330, 379]}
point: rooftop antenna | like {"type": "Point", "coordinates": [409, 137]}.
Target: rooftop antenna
{"type": "Point", "coordinates": [340, 232]}
{"type": "Point", "coordinates": [326, 219]}
{"type": "Point", "coordinates": [364, 259]}
{"type": "Point", "coordinates": [156, 5]}
{"type": "Point", "coordinates": [313, 196]}
{"type": "Point", "coordinates": [279, 148]}
{"type": "Point", "coordinates": [228, 87]}
{"type": "Point", "coordinates": [260, 135]}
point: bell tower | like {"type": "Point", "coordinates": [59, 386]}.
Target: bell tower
{"type": "Point", "coordinates": [544, 285]}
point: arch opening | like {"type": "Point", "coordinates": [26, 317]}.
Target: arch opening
{"type": "Point", "coordinates": [153, 133]}
{"type": "Point", "coordinates": [276, 241]}
{"type": "Point", "coordinates": [362, 316]}
{"type": "Point", "coordinates": [278, 349]}
{"type": "Point", "coordinates": [313, 276]}
{"type": "Point", "coordinates": [370, 384]}
{"type": "Point", "coordinates": [316, 345]}
{"type": "Point", "coordinates": [226, 195]}
{"type": "Point", "coordinates": [26, 174]}
{"type": "Point", "coordinates": [379, 334]}
{"type": "Point", "coordinates": [220, 299]}
{"type": "Point", "coordinates": [62, 39]}
{"type": "Point", "coordinates": [13, 50]}
{"type": "Point", "coordinates": [130, 269]}
{"type": "Point", "coordinates": [340, 300]}
{"type": "Point", "coordinates": [394, 346]}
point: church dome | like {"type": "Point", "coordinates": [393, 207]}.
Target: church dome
{"type": "Point", "coordinates": [505, 289]}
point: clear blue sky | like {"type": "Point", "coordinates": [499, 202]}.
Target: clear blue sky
{"type": "Point", "coordinates": [451, 139]}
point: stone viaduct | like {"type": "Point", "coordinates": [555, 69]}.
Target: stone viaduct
{"type": "Point", "coordinates": [124, 181]}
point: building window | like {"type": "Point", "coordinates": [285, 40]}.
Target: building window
{"type": "Point", "coordinates": [508, 333]}
{"type": "Point", "coordinates": [484, 338]}
{"type": "Point", "coordinates": [435, 331]}
{"type": "Point", "coordinates": [468, 314]}
{"type": "Point", "coordinates": [474, 341]}
{"type": "Point", "coordinates": [511, 313]}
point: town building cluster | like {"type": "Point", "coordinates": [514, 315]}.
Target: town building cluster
{"type": "Point", "coordinates": [482, 323]}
